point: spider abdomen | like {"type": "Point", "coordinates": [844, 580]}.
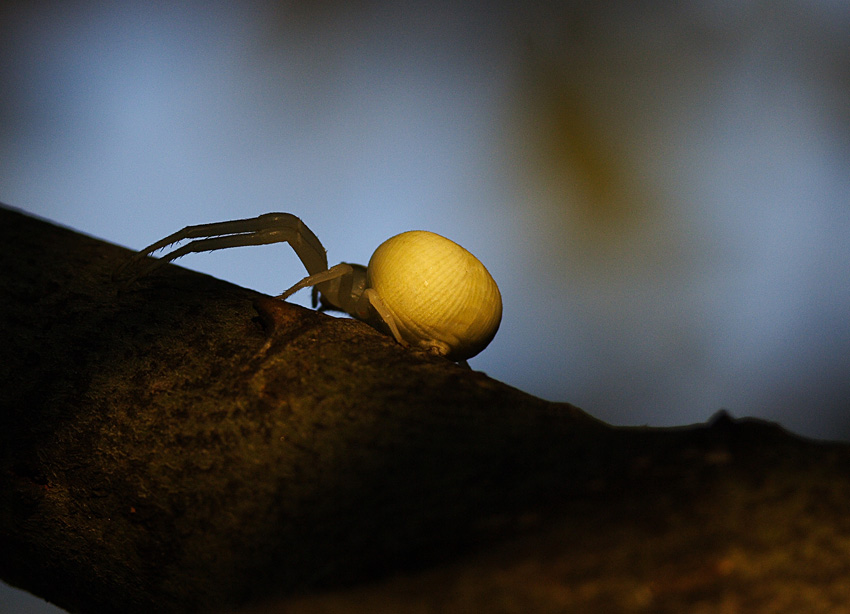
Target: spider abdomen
{"type": "Point", "coordinates": [440, 295]}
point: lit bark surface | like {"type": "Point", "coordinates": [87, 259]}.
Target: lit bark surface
{"type": "Point", "coordinates": [181, 444]}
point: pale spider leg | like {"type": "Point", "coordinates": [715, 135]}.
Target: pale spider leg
{"type": "Point", "coordinates": [357, 306]}
{"type": "Point", "coordinates": [263, 237]}
{"type": "Point", "coordinates": [341, 294]}
{"type": "Point", "coordinates": [335, 272]}
{"type": "Point", "coordinates": [267, 221]}
{"type": "Point", "coordinates": [262, 230]}
{"type": "Point", "coordinates": [370, 297]}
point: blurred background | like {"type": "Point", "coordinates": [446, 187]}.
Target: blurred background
{"type": "Point", "coordinates": [661, 190]}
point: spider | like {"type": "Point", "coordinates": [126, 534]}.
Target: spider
{"type": "Point", "coordinates": [426, 290]}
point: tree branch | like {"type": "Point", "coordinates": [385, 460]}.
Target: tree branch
{"type": "Point", "coordinates": [182, 444]}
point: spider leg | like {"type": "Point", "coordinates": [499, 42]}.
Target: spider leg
{"type": "Point", "coordinates": [335, 272]}
{"type": "Point", "coordinates": [371, 297]}
{"type": "Point", "coordinates": [261, 230]}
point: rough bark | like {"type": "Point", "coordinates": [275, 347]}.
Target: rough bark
{"type": "Point", "coordinates": [181, 444]}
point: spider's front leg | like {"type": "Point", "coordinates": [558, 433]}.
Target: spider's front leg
{"type": "Point", "coordinates": [262, 230]}
{"type": "Point", "coordinates": [340, 288]}
{"type": "Point", "coordinates": [343, 288]}
{"type": "Point", "coordinates": [329, 282]}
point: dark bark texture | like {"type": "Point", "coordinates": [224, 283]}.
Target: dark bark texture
{"type": "Point", "coordinates": [180, 444]}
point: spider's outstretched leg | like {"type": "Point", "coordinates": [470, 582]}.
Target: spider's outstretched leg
{"type": "Point", "coordinates": [340, 287]}
{"type": "Point", "coordinates": [343, 287]}
{"type": "Point", "coordinates": [261, 230]}
{"type": "Point", "coordinates": [334, 273]}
